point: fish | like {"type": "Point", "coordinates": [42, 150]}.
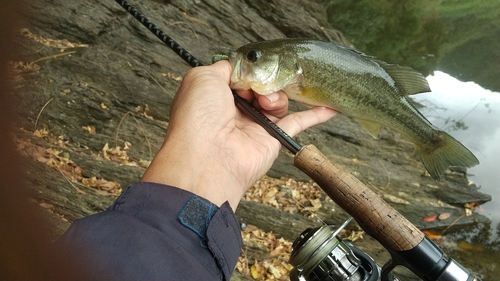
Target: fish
{"type": "Point", "coordinates": [373, 92]}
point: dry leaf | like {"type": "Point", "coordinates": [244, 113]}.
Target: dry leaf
{"type": "Point", "coordinates": [444, 216]}
{"type": "Point", "coordinates": [172, 76]}
{"type": "Point", "coordinates": [430, 218]}
{"type": "Point", "coordinates": [79, 191]}
{"type": "Point", "coordinates": [355, 235]}
{"type": "Point", "coordinates": [18, 67]}
{"type": "Point", "coordinates": [468, 212]}
{"type": "Point", "coordinates": [90, 129]}
{"type": "Point", "coordinates": [432, 235]}
{"type": "Point", "coordinates": [254, 271]}
{"type": "Point", "coordinates": [394, 199]}
{"type": "Point", "coordinates": [46, 205]}
{"type": "Point", "coordinates": [116, 154]}
{"type": "Point", "coordinates": [272, 269]}
{"type": "Point", "coordinates": [41, 133]}
{"type": "Point", "coordinates": [61, 44]}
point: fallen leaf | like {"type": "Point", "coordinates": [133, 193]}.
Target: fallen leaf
{"type": "Point", "coordinates": [79, 191]}
{"type": "Point", "coordinates": [61, 44]}
{"type": "Point", "coordinates": [271, 268]}
{"type": "Point", "coordinates": [254, 271]}
{"type": "Point", "coordinates": [355, 235]}
{"type": "Point", "coordinates": [280, 250]}
{"type": "Point", "coordinates": [444, 216]}
{"type": "Point", "coordinates": [472, 205]}
{"type": "Point", "coordinates": [172, 76]}
{"type": "Point", "coordinates": [127, 145]}
{"type": "Point", "coordinates": [431, 234]}
{"type": "Point", "coordinates": [430, 218]}
{"type": "Point", "coordinates": [463, 245]}
{"type": "Point", "coordinates": [468, 212]}
{"type": "Point", "coordinates": [46, 205]}
{"type": "Point", "coordinates": [90, 129]}
{"type": "Point", "coordinates": [18, 67]}
{"type": "Point", "coordinates": [395, 199]}
{"type": "Point", "coordinates": [41, 133]}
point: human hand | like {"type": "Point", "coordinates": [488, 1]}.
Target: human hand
{"type": "Point", "coordinates": [212, 148]}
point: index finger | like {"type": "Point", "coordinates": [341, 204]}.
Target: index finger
{"type": "Point", "coordinates": [297, 122]}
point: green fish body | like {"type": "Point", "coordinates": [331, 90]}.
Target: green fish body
{"type": "Point", "coordinates": [374, 93]}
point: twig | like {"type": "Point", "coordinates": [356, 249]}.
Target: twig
{"type": "Point", "coordinates": [54, 56]}
{"type": "Point", "coordinates": [192, 29]}
{"type": "Point", "coordinates": [140, 127]}
{"type": "Point", "coordinates": [465, 115]}
{"type": "Point", "coordinates": [387, 174]}
{"type": "Point", "coordinates": [40, 112]}
{"type": "Point", "coordinates": [150, 76]}
{"type": "Point", "coordinates": [303, 207]}
{"type": "Point", "coordinates": [67, 179]}
{"type": "Point", "coordinates": [451, 224]}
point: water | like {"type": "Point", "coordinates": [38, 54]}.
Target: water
{"type": "Point", "coordinates": [471, 114]}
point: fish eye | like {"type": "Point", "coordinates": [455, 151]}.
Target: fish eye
{"type": "Point", "coordinates": [253, 55]}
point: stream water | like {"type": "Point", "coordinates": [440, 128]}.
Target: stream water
{"type": "Point", "coordinates": [471, 114]}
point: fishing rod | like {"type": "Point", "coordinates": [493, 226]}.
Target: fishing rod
{"type": "Point", "coordinates": [319, 254]}
{"type": "Point", "coordinates": [241, 103]}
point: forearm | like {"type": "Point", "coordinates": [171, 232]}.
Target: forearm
{"type": "Point", "coordinates": [155, 232]}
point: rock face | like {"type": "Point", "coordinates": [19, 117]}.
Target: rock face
{"type": "Point", "coordinates": [118, 89]}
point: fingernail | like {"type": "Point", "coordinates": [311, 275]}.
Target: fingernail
{"type": "Point", "coordinates": [273, 97]}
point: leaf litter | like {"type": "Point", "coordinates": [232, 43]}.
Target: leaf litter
{"type": "Point", "coordinates": [290, 196]}
{"type": "Point", "coordinates": [287, 194]}
{"type": "Point", "coordinates": [275, 267]}
{"type": "Point", "coordinates": [62, 45]}
{"type": "Point", "coordinates": [61, 161]}
{"type": "Point", "coordinates": [18, 67]}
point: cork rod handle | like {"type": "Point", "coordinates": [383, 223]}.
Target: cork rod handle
{"type": "Point", "coordinates": [377, 217]}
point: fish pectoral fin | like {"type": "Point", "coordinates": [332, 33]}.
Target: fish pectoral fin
{"type": "Point", "coordinates": [407, 79]}
{"type": "Point", "coordinates": [371, 127]}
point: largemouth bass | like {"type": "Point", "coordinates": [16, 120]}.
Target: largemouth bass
{"type": "Point", "coordinates": [373, 92]}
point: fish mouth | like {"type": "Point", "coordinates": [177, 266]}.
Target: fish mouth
{"type": "Point", "coordinates": [232, 58]}
{"type": "Point", "coordinates": [239, 72]}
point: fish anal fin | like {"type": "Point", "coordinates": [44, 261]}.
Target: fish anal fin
{"type": "Point", "coordinates": [408, 80]}
{"type": "Point", "coordinates": [371, 127]}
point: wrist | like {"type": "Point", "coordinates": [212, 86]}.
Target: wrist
{"type": "Point", "coordinates": [196, 170]}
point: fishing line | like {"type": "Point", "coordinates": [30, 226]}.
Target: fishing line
{"type": "Point", "coordinates": [241, 103]}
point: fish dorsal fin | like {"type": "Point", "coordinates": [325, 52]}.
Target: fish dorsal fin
{"type": "Point", "coordinates": [371, 127]}
{"type": "Point", "coordinates": [408, 80]}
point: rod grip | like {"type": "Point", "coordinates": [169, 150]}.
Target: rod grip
{"type": "Point", "coordinates": [378, 218]}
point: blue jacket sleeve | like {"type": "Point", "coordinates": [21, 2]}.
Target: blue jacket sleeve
{"type": "Point", "coordinates": [156, 232]}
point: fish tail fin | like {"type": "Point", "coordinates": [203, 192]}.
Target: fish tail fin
{"type": "Point", "coordinates": [449, 152]}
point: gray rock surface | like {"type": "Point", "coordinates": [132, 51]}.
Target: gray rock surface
{"type": "Point", "coordinates": [123, 83]}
